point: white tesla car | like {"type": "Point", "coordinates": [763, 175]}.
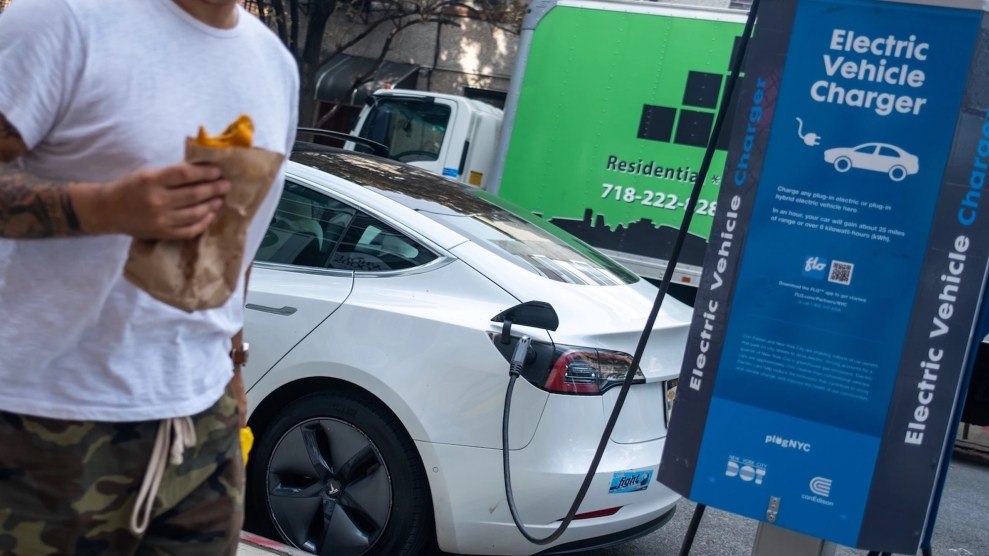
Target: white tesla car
{"type": "Point", "coordinates": [377, 376]}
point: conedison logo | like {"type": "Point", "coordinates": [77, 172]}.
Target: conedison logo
{"type": "Point", "coordinates": [821, 487]}
{"type": "Point", "coordinates": [746, 470]}
{"type": "Point", "coordinates": [787, 443]}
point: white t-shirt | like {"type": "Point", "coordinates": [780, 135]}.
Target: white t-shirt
{"type": "Point", "coordinates": [97, 89]}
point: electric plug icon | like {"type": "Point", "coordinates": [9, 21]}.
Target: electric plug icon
{"type": "Point", "coordinates": [809, 139]}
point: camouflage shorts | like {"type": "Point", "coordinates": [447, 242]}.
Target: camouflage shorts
{"type": "Point", "coordinates": [69, 487]}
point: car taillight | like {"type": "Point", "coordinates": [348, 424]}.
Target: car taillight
{"type": "Point", "coordinates": [576, 370]}
{"type": "Point", "coordinates": [566, 369]}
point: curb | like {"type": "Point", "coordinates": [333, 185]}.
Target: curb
{"type": "Point", "coordinates": [971, 452]}
{"type": "Point", "coordinates": [972, 444]}
{"type": "Point", "coordinates": [253, 545]}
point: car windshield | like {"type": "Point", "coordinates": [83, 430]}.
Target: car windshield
{"type": "Point", "coordinates": [502, 228]}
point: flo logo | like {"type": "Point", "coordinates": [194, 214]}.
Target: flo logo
{"type": "Point", "coordinates": [815, 267]}
{"type": "Point", "coordinates": [746, 470]}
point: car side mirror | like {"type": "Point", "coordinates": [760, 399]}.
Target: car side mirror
{"type": "Point", "coordinates": [537, 314]}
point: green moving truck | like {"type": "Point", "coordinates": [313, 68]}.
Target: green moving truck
{"type": "Point", "coordinates": [610, 109]}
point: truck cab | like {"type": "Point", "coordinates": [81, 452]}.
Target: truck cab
{"type": "Point", "coordinates": [450, 135]}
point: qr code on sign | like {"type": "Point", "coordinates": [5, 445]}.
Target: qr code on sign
{"type": "Point", "coordinates": [841, 273]}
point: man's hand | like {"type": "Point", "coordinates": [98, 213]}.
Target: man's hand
{"type": "Point", "coordinates": [175, 202]}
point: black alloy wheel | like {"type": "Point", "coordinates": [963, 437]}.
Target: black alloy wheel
{"type": "Point", "coordinates": [338, 475]}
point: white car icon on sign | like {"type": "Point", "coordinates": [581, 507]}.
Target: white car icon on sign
{"type": "Point", "coordinates": [878, 157]}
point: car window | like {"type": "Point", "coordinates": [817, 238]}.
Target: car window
{"type": "Point", "coordinates": [509, 231]}
{"type": "Point", "coordinates": [866, 149]}
{"type": "Point", "coordinates": [886, 151]}
{"type": "Point", "coordinates": [373, 246]}
{"type": "Point", "coordinates": [310, 229]}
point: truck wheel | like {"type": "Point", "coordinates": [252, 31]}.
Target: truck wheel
{"type": "Point", "coordinates": [336, 474]}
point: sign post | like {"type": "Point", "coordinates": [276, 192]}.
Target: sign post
{"type": "Point", "coordinates": [834, 321]}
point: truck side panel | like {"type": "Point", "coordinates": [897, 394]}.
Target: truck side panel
{"type": "Point", "coordinates": [607, 121]}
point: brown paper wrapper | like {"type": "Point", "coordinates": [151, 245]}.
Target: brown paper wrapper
{"type": "Point", "coordinates": [202, 273]}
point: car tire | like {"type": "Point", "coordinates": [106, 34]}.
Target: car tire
{"type": "Point", "coordinates": [336, 474]}
{"type": "Point", "coordinates": [843, 164]}
{"type": "Point", "coordinates": [897, 173]}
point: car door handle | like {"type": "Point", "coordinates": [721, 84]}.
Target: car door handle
{"type": "Point", "coordinates": [284, 311]}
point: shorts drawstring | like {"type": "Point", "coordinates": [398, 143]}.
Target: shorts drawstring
{"type": "Point", "coordinates": [173, 437]}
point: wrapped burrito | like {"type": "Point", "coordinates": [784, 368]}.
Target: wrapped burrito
{"type": "Point", "coordinates": [202, 273]}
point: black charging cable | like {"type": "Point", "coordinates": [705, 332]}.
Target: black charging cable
{"type": "Point", "coordinates": [518, 358]}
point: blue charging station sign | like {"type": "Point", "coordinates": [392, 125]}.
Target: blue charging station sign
{"type": "Point", "coordinates": [833, 325]}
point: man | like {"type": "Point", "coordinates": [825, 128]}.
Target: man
{"type": "Point", "coordinates": [100, 384]}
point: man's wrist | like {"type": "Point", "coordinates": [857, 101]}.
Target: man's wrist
{"type": "Point", "coordinates": [239, 353]}
{"type": "Point", "coordinates": [90, 202]}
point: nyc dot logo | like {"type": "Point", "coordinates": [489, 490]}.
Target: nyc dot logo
{"type": "Point", "coordinates": [815, 267]}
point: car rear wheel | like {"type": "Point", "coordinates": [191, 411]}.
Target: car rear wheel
{"type": "Point", "coordinates": [843, 164]}
{"type": "Point", "coordinates": [336, 474]}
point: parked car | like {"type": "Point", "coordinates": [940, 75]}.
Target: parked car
{"type": "Point", "coordinates": [878, 157]}
{"type": "Point", "coordinates": [377, 376]}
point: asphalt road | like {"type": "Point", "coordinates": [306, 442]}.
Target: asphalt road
{"type": "Point", "coordinates": [962, 528]}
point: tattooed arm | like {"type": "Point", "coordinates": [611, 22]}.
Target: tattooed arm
{"type": "Point", "coordinates": [29, 207]}
{"type": "Point", "coordinates": [174, 202]}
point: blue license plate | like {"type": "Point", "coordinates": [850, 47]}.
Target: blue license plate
{"type": "Point", "coordinates": [630, 481]}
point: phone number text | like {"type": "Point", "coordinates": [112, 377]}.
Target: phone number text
{"type": "Point", "coordinates": [657, 199]}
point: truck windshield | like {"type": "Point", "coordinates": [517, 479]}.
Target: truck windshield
{"type": "Point", "coordinates": [412, 129]}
